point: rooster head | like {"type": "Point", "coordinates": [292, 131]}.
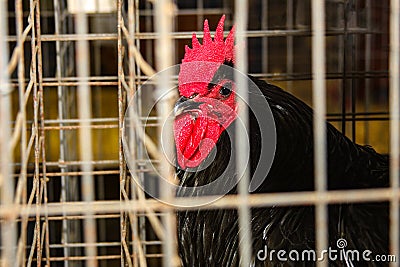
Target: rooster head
{"type": "Point", "coordinates": [207, 105]}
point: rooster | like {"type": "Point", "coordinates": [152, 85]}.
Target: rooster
{"type": "Point", "coordinates": [206, 115]}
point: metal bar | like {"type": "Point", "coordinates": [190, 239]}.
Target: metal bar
{"type": "Point", "coordinates": [187, 35]}
{"type": "Point", "coordinates": [163, 22]}
{"type": "Point", "coordinates": [347, 117]}
{"type": "Point", "coordinates": [319, 104]}
{"type": "Point", "coordinates": [85, 136]}
{"type": "Point", "coordinates": [83, 245]}
{"type": "Point", "coordinates": [261, 33]}
{"type": "Point", "coordinates": [75, 163]}
{"type": "Point", "coordinates": [75, 217]}
{"type": "Point", "coordinates": [282, 76]}
{"type": "Point", "coordinates": [55, 84]}
{"type": "Point", "coordinates": [192, 11]}
{"type": "Point", "coordinates": [125, 257]}
{"type": "Point", "coordinates": [242, 142]}
{"type": "Point", "coordinates": [225, 202]}
{"type": "Point", "coordinates": [199, 14]}
{"type": "Point", "coordinates": [42, 149]}
{"type": "Point", "coordinates": [87, 126]}
{"type": "Point", "coordinates": [136, 142]}
{"type": "Point", "coordinates": [394, 95]}
{"type": "Point", "coordinates": [97, 111]}
{"type": "Point", "coordinates": [92, 120]}
{"type": "Point", "coordinates": [36, 187]}
{"type": "Point", "coordinates": [264, 26]}
{"type": "Point", "coordinates": [367, 68]}
{"type": "Point", "coordinates": [343, 46]}
{"type": "Point", "coordinates": [83, 258]}
{"type": "Point", "coordinates": [353, 64]}
{"type": "Point", "coordinates": [75, 37]}
{"type": "Point", "coordinates": [289, 42]}
{"type": "Point", "coordinates": [8, 226]}
{"type": "Point", "coordinates": [92, 77]}
{"type": "Point", "coordinates": [359, 119]}
{"type": "Point", "coordinates": [134, 67]}
{"type": "Point", "coordinates": [21, 256]}
{"type": "Point", "coordinates": [74, 173]}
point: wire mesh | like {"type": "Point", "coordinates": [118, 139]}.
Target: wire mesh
{"type": "Point", "coordinates": [68, 74]}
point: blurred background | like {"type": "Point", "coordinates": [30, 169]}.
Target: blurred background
{"type": "Point", "coordinates": [42, 64]}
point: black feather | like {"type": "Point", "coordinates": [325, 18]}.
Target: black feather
{"type": "Point", "coordinates": [210, 237]}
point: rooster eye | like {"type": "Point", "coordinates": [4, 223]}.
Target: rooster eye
{"type": "Point", "coordinates": [224, 91]}
{"type": "Point", "coordinates": [193, 96]}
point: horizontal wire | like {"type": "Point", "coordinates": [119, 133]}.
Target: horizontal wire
{"type": "Point", "coordinates": [141, 79]}
{"type": "Point", "coordinates": [99, 257]}
{"type": "Point", "coordinates": [74, 127]}
{"type": "Point", "coordinates": [189, 203]}
{"type": "Point", "coordinates": [187, 35]}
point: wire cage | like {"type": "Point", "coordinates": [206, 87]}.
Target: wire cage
{"type": "Point", "coordinates": [69, 69]}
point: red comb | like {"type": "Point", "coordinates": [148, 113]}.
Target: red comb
{"type": "Point", "coordinates": [215, 51]}
{"type": "Point", "coordinates": [208, 57]}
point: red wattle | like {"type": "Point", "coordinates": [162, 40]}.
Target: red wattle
{"type": "Point", "coordinates": [205, 148]}
{"type": "Point", "coordinates": [198, 132]}
{"type": "Point", "coordinates": [183, 127]}
{"type": "Point", "coordinates": [195, 139]}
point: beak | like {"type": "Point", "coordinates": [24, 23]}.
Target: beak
{"type": "Point", "coordinates": [185, 104]}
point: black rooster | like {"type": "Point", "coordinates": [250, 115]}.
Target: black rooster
{"type": "Point", "coordinates": [207, 111]}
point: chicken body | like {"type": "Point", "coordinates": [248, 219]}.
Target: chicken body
{"type": "Point", "coordinates": [211, 237]}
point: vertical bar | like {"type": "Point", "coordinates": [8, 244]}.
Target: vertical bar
{"type": "Point", "coordinates": [163, 24]}
{"type": "Point", "coordinates": [125, 259]}
{"type": "Point", "coordinates": [368, 48]}
{"type": "Point", "coordinates": [139, 148]}
{"type": "Point", "coordinates": [85, 135]}
{"type": "Point", "coordinates": [8, 227]}
{"type": "Point", "coordinates": [22, 109]}
{"type": "Point", "coordinates": [135, 145]}
{"type": "Point", "coordinates": [264, 26]}
{"type": "Point", "coordinates": [319, 104]}
{"type": "Point", "coordinates": [148, 27]}
{"type": "Point", "coordinates": [340, 63]}
{"type": "Point", "coordinates": [133, 25]}
{"type": "Point", "coordinates": [21, 85]}
{"type": "Point", "coordinates": [33, 76]}
{"type": "Point", "coordinates": [42, 149]}
{"type": "Point", "coordinates": [120, 101]}
{"type": "Point", "coordinates": [344, 65]}
{"type": "Point", "coordinates": [394, 125]}
{"type": "Point", "coordinates": [61, 116]}
{"type": "Point", "coordinates": [289, 44]}
{"type": "Point", "coordinates": [227, 10]}
{"type": "Point", "coordinates": [241, 15]}
{"type": "Point", "coordinates": [354, 38]}
{"type": "Point", "coordinates": [200, 14]}
{"type": "Point", "coordinates": [97, 112]}
{"type": "Point", "coordinates": [384, 6]}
